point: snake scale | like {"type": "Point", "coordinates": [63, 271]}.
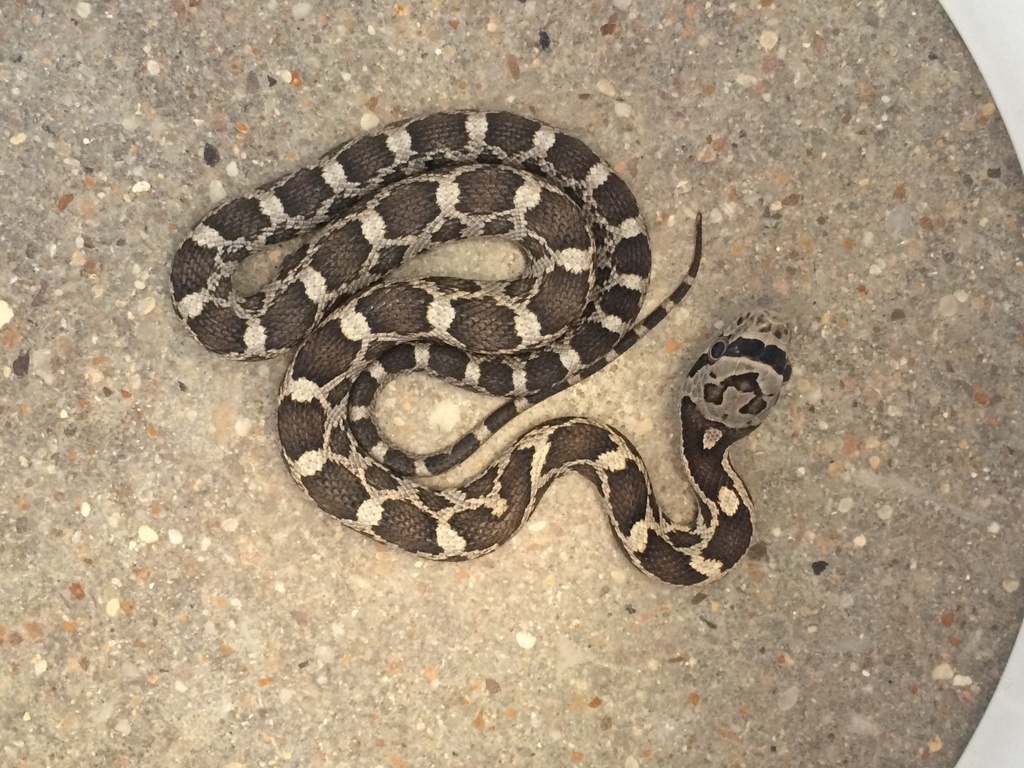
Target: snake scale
{"type": "Point", "coordinates": [374, 202]}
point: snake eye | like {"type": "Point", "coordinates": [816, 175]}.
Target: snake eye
{"type": "Point", "coordinates": [717, 350]}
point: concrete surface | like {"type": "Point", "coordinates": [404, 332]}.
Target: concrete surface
{"type": "Point", "coordinates": [171, 598]}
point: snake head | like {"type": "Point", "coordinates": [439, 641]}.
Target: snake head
{"type": "Point", "coordinates": [739, 377]}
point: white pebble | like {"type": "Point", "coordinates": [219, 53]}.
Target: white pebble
{"type": "Point", "coordinates": [369, 121]}
{"type": "Point", "coordinates": [39, 667]}
{"type": "Point", "coordinates": [993, 528]}
{"type": "Point", "coordinates": [147, 535]}
{"type": "Point", "coordinates": [746, 81]}
{"type": "Point", "coordinates": [606, 87]}
{"type": "Point", "coordinates": [525, 640]}
{"type": "Point", "coordinates": [217, 192]}
{"type": "Point", "coordinates": [18, 138]}
{"type": "Point", "coordinates": [229, 524]}
{"type": "Point", "coordinates": [153, 67]}
{"type": "Point", "coordinates": [947, 306]}
{"type": "Point", "coordinates": [180, 687]}
{"type": "Point", "coordinates": [113, 607]}
{"type": "Point", "coordinates": [140, 186]}
{"type": "Point", "coordinates": [174, 536]}
{"type": "Point", "coordinates": [83, 10]}
{"type": "Point", "coordinates": [788, 698]}
{"type": "Point", "coordinates": [622, 109]}
{"type": "Point", "coordinates": [6, 313]}
{"type": "Point", "coordinates": [845, 504]}
{"type": "Point", "coordinates": [961, 681]}
{"type": "Point", "coordinates": [301, 10]}
{"type": "Point", "coordinates": [769, 39]}
{"type": "Point", "coordinates": [884, 512]}
{"type": "Point", "coordinates": [942, 671]}
{"type": "Point", "coordinates": [231, 169]}
{"type": "Point", "coordinates": [85, 509]}
{"type": "Point", "coordinates": [622, 5]}
{"type": "Point", "coordinates": [1011, 585]}
{"type": "Point", "coordinates": [860, 541]}
{"type": "Point", "coordinates": [243, 427]}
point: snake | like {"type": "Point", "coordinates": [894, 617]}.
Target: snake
{"type": "Point", "coordinates": [372, 203]}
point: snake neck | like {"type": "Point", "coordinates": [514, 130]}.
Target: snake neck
{"type": "Point", "coordinates": [725, 514]}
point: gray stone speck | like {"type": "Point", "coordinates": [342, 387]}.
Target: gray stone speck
{"type": "Point", "coordinates": [20, 365]}
{"type": "Point", "coordinates": [900, 223]}
{"type": "Point", "coordinates": [252, 82]}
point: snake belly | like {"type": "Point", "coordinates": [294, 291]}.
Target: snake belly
{"type": "Point", "coordinates": [372, 203]}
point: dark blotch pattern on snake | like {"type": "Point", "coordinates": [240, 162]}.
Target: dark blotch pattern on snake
{"type": "Point", "coordinates": [378, 200]}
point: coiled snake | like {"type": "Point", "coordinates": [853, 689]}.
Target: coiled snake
{"type": "Point", "coordinates": [384, 197]}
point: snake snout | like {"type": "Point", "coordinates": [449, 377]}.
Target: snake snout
{"type": "Point", "coordinates": [768, 323]}
{"type": "Point", "coordinates": [762, 336]}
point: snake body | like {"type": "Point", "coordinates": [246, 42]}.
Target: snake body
{"type": "Point", "coordinates": [370, 204]}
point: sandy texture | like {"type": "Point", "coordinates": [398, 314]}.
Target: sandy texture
{"type": "Point", "coordinates": [170, 597]}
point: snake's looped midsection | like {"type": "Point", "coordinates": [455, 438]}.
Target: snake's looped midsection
{"type": "Point", "coordinates": [383, 198]}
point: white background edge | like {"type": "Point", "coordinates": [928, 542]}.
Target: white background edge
{"type": "Point", "coordinates": [993, 31]}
